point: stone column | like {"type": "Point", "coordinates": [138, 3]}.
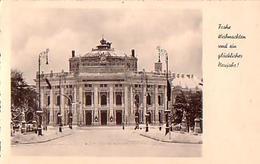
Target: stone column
{"type": "Point", "coordinates": [62, 105]}
{"type": "Point", "coordinates": [92, 99]}
{"type": "Point", "coordinates": [51, 108]}
{"type": "Point", "coordinates": [156, 105]}
{"type": "Point", "coordinates": [95, 104]}
{"type": "Point", "coordinates": [144, 103]}
{"type": "Point", "coordinates": [165, 99]}
{"type": "Point", "coordinates": [111, 104]}
{"type": "Point", "coordinates": [111, 101]}
{"type": "Point", "coordinates": [74, 107]}
{"type": "Point", "coordinates": [80, 105]}
{"type": "Point", "coordinates": [126, 104]}
{"type": "Point", "coordinates": [132, 100]}
{"type": "Point", "coordinates": [83, 107]}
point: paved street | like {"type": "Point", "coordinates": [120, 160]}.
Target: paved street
{"type": "Point", "coordinates": [107, 141]}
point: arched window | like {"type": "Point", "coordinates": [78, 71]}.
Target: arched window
{"type": "Point", "coordinates": [88, 99]}
{"type": "Point", "coordinates": [148, 99]}
{"type": "Point", "coordinates": [103, 99]}
{"type": "Point", "coordinates": [160, 100]}
{"type": "Point", "coordinates": [118, 99]}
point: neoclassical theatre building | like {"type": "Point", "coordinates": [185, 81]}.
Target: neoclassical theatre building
{"type": "Point", "coordinates": [105, 88]}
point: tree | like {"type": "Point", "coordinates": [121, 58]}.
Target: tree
{"type": "Point", "coordinates": [23, 98]}
{"type": "Point", "coordinates": [195, 107]}
{"type": "Point", "coordinates": [179, 106]}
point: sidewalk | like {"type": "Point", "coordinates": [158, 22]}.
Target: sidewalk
{"type": "Point", "coordinates": [31, 138]}
{"type": "Point", "coordinates": [172, 137]}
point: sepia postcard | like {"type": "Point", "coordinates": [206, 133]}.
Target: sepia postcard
{"type": "Point", "coordinates": [129, 81]}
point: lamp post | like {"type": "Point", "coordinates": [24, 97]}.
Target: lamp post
{"type": "Point", "coordinates": [167, 128]}
{"type": "Point", "coordinates": [146, 113]}
{"type": "Point", "coordinates": [167, 111]}
{"type": "Point", "coordinates": [43, 54]}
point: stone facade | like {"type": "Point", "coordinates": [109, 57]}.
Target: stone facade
{"type": "Point", "coordinates": [105, 88]}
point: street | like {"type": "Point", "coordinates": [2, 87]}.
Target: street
{"type": "Point", "coordinates": [107, 141]}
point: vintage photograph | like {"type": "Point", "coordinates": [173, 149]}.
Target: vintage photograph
{"type": "Point", "coordinates": [103, 82]}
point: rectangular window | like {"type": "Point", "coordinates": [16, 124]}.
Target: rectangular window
{"type": "Point", "coordinates": [160, 100]}
{"type": "Point", "coordinates": [88, 85]}
{"type": "Point", "coordinates": [148, 99]}
{"type": "Point", "coordinates": [118, 85]}
{"type": "Point", "coordinates": [48, 100]}
{"type": "Point", "coordinates": [101, 85]}
{"type": "Point", "coordinates": [103, 96]}
{"type": "Point", "coordinates": [58, 101]}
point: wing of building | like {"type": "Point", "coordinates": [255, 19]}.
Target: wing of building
{"type": "Point", "coordinates": [104, 87]}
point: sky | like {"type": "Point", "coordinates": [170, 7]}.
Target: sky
{"type": "Point", "coordinates": [62, 30]}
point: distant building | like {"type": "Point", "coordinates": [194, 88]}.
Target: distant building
{"type": "Point", "coordinates": [185, 83]}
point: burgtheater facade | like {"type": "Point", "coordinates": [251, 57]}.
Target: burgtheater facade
{"type": "Point", "coordinates": [105, 88]}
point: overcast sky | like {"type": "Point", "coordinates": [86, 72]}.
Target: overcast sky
{"type": "Point", "coordinates": [63, 30]}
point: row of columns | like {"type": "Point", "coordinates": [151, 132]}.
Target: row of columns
{"type": "Point", "coordinates": [78, 107]}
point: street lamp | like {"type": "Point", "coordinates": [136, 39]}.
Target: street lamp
{"type": "Point", "coordinates": [167, 111]}
{"type": "Point", "coordinates": [43, 54]}
{"type": "Point", "coordinates": [146, 113]}
{"type": "Point", "coordinates": [167, 129]}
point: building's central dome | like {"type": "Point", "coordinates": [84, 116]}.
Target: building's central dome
{"type": "Point", "coordinates": [103, 59]}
